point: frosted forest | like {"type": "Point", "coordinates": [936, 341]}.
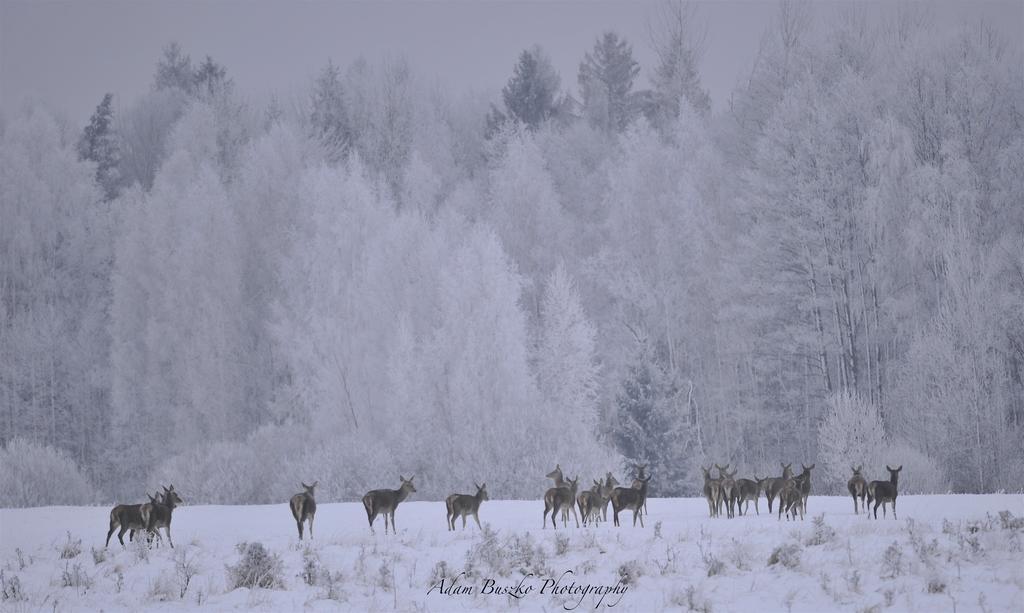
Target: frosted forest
{"type": "Point", "coordinates": [388, 275]}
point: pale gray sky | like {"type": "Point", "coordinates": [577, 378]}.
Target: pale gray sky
{"type": "Point", "coordinates": [68, 54]}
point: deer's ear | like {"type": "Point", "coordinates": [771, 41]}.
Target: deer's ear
{"type": "Point", "coordinates": [401, 478]}
{"type": "Point", "coordinates": [171, 489]}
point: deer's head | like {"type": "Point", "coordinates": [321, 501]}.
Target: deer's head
{"type": "Point", "coordinates": [610, 481]}
{"type": "Point", "coordinates": [555, 474]}
{"type": "Point", "coordinates": [481, 491]}
{"type": "Point", "coordinates": [787, 470]}
{"type": "Point", "coordinates": [407, 483]}
{"type": "Point", "coordinates": [171, 497]}
{"type": "Point", "coordinates": [310, 488]}
{"type": "Point", "coordinates": [856, 471]}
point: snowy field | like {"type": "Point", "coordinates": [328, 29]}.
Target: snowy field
{"type": "Point", "coordinates": [945, 553]}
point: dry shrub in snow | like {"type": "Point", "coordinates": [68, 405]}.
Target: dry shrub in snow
{"type": "Point", "coordinates": [256, 568]}
{"type": "Point", "coordinates": [788, 555]}
{"type": "Point", "coordinates": [71, 548]}
{"type": "Point", "coordinates": [10, 588]}
{"type": "Point", "coordinates": [516, 553]}
{"type": "Point", "coordinates": [34, 475]}
{"type": "Point", "coordinates": [823, 533]}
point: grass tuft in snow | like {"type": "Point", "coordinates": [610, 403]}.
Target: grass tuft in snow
{"type": "Point", "coordinates": [561, 544]}
{"type": "Point", "coordinates": [892, 561]}
{"type": "Point", "coordinates": [1009, 522]}
{"type": "Point", "coordinates": [186, 566]}
{"type": "Point", "coordinates": [75, 576]}
{"type": "Point", "coordinates": [10, 588]}
{"type": "Point", "coordinates": [515, 553]}
{"type": "Point", "coordinates": [71, 548]}
{"type": "Point", "coordinates": [822, 533]}
{"type": "Point", "coordinates": [788, 555]}
{"type": "Point", "coordinates": [99, 556]}
{"type": "Point", "coordinates": [310, 566]}
{"type": "Point", "coordinates": [630, 571]}
{"type": "Point", "coordinates": [256, 568]}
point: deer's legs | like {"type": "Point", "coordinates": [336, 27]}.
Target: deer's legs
{"type": "Point", "coordinates": [120, 534]}
{"type": "Point", "coordinates": [894, 509]}
{"type": "Point", "coordinates": [311, 527]}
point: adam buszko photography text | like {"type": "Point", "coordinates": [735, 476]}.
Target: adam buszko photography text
{"type": "Point", "coordinates": [614, 305]}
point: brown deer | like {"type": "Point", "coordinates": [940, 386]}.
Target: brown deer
{"type": "Point", "coordinates": [384, 502]}
{"type": "Point", "coordinates": [606, 494]}
{"type": "Point", "coordinates": [461, 505]}
{"type": "Point", "coordinates": [858, 487]}
{"type": "Point", "coordinates": [747, 490]}
{"type": "Point", "coordinates": [595, 500]}
{"type": "Point", "coordinates": [774, 485]}
{"type": "Point", "coordinates": [561, 499]}
{"type": "Point", "coordinates": [303, 507]}
{"type": "Point", "coordinates": [791, 499]}
{"type": "Point", "coordinates": [805, 485]}
{"type": "Point", "coordinates": [727, 485]}
{"type": "Point", "coordinates": [630, 498]}
{"type": "Point", "coordinates": [639, 479]}
{"type": "Point", "coordinates": [127, 517]}
{"type": "Point", "coordinates": [589, 502]}
{"type": "Point", "coordinates": [712, 492]}
{"type": "Point", "coordinates": [883, 492]}
{"type": "Point", "coordinates": [556, 476]}
{"type": "Point", "coordinates": [157, 514]}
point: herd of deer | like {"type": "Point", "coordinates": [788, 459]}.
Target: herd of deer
{"type": "Point", "coordinates": [792, 493]}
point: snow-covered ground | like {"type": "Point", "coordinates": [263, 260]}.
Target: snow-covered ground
{"type": "Point", "coordinates": [945, 553]}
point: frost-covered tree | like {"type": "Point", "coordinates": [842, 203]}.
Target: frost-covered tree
{"type": "Point", "coordinates": [606, 78]}
{"type": "Point", "coordinates": [531, 94]}
{"type": "Point", "coordinates": [54, 290]}
{"type": "Point", "coordinates": [99, 144]}
{"type": "Point", "coordinates": [174, 70]}
{"type": "Point", "coordinates": [679, 47]}
{"type": "Point", "coordinates": [651, 425]}
{"type": "Point", "coordinates": [567, 370]}
{"type": "Point", "coordinates": [851, 435]}
{"type": "Point", "coordinates": [328, 117]}
{"type": "Point", "coordinates": [523, 205]}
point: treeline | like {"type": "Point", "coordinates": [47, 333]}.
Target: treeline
{"type": "Point", "coordinates": [385, 277]}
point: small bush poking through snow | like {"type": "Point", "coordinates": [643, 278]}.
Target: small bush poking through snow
{"type": "Point", "coordinates": [788, 555]}
{"type": "Point", "coordinates": [22, 562]}
{"type": "Point", "coordinates": [892, 561]}
{"type": "Point", "coordinates": [561, 544]}
{"type": "Point", "coordinates": [186, 567]}
{"type": "Point", "coordinates": [99, 556]}
{"type": "Point", "coordinates": [853, 581]}
{"type": "Point", "coordinates": [10, 588]}
{"type": "Point", "coordinates": [257, 568]}
{"type": "Point", "coordinates": [440, 571]}
{"type": "Point", "coordinates": [713, 565]}
{"type": "Point", "coordinates": [630, 571]}
{"type": "Point", "coordinates": [822, 533]}
{"type": "Point", "coordinates": [76, 577]}
{"type": "Point", "coordinates": [161, 589]}
{"type": "Point", "coordinates": [140, 548]}
{"type": "Point", "coordinates": [691, 600]}
{"type": "Point", "coordinates": [936, 586]}
{"type": "Point", "coordinates": [1010, 522]}
{"type": "Point", "coordinates": [71, 548]}
{"type": "Point", "coordinates": [310, 566]}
